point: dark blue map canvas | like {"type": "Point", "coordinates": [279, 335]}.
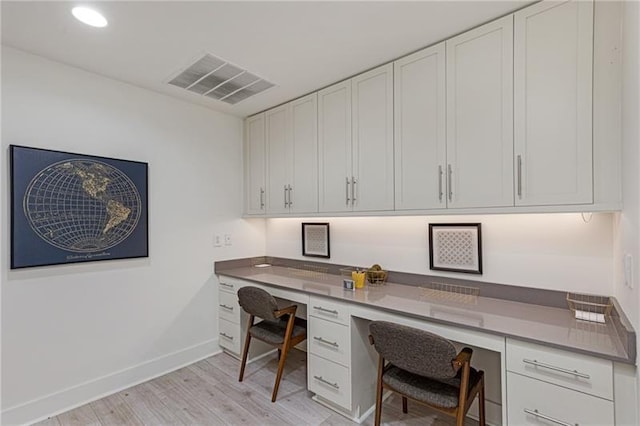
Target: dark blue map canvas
{"type": "Point", "coordinates": [68, 208]}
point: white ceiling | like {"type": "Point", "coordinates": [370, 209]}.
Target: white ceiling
{"type": "Point", "coordinates": [299, 46]}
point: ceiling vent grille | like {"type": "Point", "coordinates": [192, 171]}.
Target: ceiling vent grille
{"type": "Point", "coordinates": [213, 77]}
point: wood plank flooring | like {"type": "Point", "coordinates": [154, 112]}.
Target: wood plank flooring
{"type": "Point", "coordinates": [208, 393]}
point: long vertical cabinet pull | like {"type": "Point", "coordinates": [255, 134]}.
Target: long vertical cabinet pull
{"type": "Point", "coordinates": [519, 167]}
{"type": "Point", "coordinates": [347, 190]}
{"type": "Point", "coordinates": [261, 198]}
{"type": "Point", "coordinates": [289, 190]}
{"type": "Point", "coordinates": [440, 193]}
{"type": "Point", "coordinates": [286, 203]}
{"type": "Point", "coordinates": [353, 190]}
{"type": "Point", "coordinates": [449, 185]}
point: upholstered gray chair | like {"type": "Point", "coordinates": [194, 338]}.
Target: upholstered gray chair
{"type": "Point", "coordinates": [426, 368]}
{"type": "Point", "coordinates": [279, 327]}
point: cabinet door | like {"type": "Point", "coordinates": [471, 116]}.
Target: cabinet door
{"type": "Point", "coordinates": [480, 116]}
{"type": "Point", "coordinates": [303, 195]}
{"type": "Point", "coordinates": [420, 124]}
{"type": "Point", "coordinates": [254, 165]}
{"type": "Point", "coordinates": [553, 99]}
{"type": "Point", "coordinates": [279, 159]}
{"type": "Point", "coordinates": [334, 148]}
{"type": "Point", "coordinates": [372, 186]}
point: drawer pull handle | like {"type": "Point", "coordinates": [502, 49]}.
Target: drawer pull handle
{"type": "Point", "coordinates": [227, 307]}
{"type": "Point", "coordinates": [226, 285]}
{"type": "Point", "coordinates": [333, 385]}
{"type": "Point", "coordinates": [551, 419]}
{"type": "Point", "coordinates": [321, 340]}
{"type": "Point", "coordinates": [227, 336]}
{"type": "Point", "coordinates": [330, 311]}
{"type": "Point", "coordinates": [554, 368]}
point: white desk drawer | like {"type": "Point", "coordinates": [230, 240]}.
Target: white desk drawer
{"type": "Point", "coordinates": [572, 370]}
{"type": "Point", "coordinates": [229, 336]}
{"type": "Point", "coordinates": [329, 340]}
{"type": "Point", "coordinates": [228, 308]}
{"type": "Point", "coordinates": [548, 404]}
{"type": "Point", "coordinates": [330, 381]}
{"type": "Point", "coordinates": [329, 310]}
{"type": "Point", "coordinates": [231, 285]}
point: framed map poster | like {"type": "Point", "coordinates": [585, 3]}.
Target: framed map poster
{"type": "Point", "coordinates": [70, 208]}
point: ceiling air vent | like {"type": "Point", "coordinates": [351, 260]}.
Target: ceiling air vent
{"type": "Point", "coordinates": [213, 77]}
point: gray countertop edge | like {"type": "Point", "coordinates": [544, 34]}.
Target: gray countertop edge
{"type": "Point", "coordinates": [550, 298]}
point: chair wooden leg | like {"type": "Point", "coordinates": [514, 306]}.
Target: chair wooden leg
{"type": "Point", "coordinates": [481, 414]}
{"type": "Point", "coordinates": [404, 404]}
{"type": "Point", "coordinates": [283, 357]}
{"type": "Point", "coordinates": [379, 392]}
{"type": "Point", "coordinates": [245, 351]}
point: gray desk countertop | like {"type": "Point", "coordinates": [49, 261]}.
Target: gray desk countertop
{"type": "Point", "coordinates": [546, 325]}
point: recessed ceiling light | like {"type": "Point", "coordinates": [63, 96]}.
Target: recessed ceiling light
{"type": "Point", "coordinates": [89, 16]}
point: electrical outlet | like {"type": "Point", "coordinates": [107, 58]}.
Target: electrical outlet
{"type": "Point", "coordinates": [227, 239]}
{"type": "Point", "coordinates": [217, 240]}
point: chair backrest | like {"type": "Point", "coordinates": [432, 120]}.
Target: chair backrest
{"type": "Point", "coordinates": [416, 351]}
{"type": "Point", "coordinates": [257, 302]}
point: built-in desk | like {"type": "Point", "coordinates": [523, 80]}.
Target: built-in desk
{"type": "Point", "coordinates": [550, 365]}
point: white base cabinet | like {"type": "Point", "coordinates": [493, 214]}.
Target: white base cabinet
{"type": "Point", "coordinates": [549, 386]}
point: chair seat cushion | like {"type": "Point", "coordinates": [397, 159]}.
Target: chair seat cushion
{"type": "Point", "coordinates": [441, 393]}
{"type": "Point", "coordinates": [273, 332]}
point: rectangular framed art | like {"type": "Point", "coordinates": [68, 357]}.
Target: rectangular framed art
{"type": "Point", "coordinates": [455, 247]}
{"type": "Point", "coordinates": [315, 239]}
{"type": "Point", "coordinates": [69, 208]}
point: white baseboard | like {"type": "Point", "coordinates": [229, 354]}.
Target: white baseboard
{"type": "Point", "coordinates": [83, 393]}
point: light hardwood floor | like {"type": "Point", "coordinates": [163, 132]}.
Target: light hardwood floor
{"type": "Point", "coordinates": [208, 393]}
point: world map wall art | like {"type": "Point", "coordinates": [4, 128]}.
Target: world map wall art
{"type": "Point", "coordinates": [70, 208]}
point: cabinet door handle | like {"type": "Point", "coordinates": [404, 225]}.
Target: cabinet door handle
{"type": "Point", "coordinates": [327, 342]}
{"type": "Point", "coordinates": [519, 167]}
{"type": "Point", "coordinates": [551, 419]}
{"type": "Point", "coordinates": [285, 197]}
{"type": "Point", "coordinates": [227, 307]}
{"type": "Point", "coordinates": [261, 198]}
{"type": "Point", "coordinates": [347, 190]}
{"type": "Point", "coordinates": [330, 311]}
{"type": "Point", "coordinates": [353, 190]}
{"type": "Point", "coordinates": [326, 382]}
{"type": "Point", "coordinates": [554, 368]}
{"type": "Point", "coordinates": [440, 183]}
{"type": "Point", "coordinates": [289, 189]}
{"type": "Point", "coordinates": [226, 285]}
{"type": "Point", "coordinates": [227, 336]}
{"type": "Point", "coordinates": [449, 172]}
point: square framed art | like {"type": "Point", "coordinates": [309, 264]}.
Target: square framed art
{"type": "Point", "coordinates": [455, 247]}
{"type": "Point", "coordinates": [315, 240]}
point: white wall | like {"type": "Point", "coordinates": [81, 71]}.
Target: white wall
{"type": "Point", "coordinates": [552, 251]}
{"type": "Point", "coordinates": [627, 223]}
{"type": "Point", "coordinates": [71, 333]}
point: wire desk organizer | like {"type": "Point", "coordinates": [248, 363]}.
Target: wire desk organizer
{"type": "Point", "coordinates": [590, 307]}
{"type": "Point", "coordinates": [310, 271]}
{"type": "Point", "coordinates": [451, 292]}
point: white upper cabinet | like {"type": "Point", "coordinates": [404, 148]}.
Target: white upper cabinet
{"type": "Point", "coordinates": [479, 170]}
{"type": "Point", "coordinates": [355, 143]}
{"type": "Point", "coordinates": [334, 148]}
{"type": "Point", "coordinates": [278, 159]}
{"type": "Point", "coordinates": [292, 143]}
{"type": "Point", "coordinates": [420, 130]}
{"type": "Point", "coordinates": [372, 115]}
{"type": "Point", "coordinates": [303, 189]}
{"type": "Point", "coordinates": [553, 103]}
{"type": "Point", "coordinates": [254, 163]}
